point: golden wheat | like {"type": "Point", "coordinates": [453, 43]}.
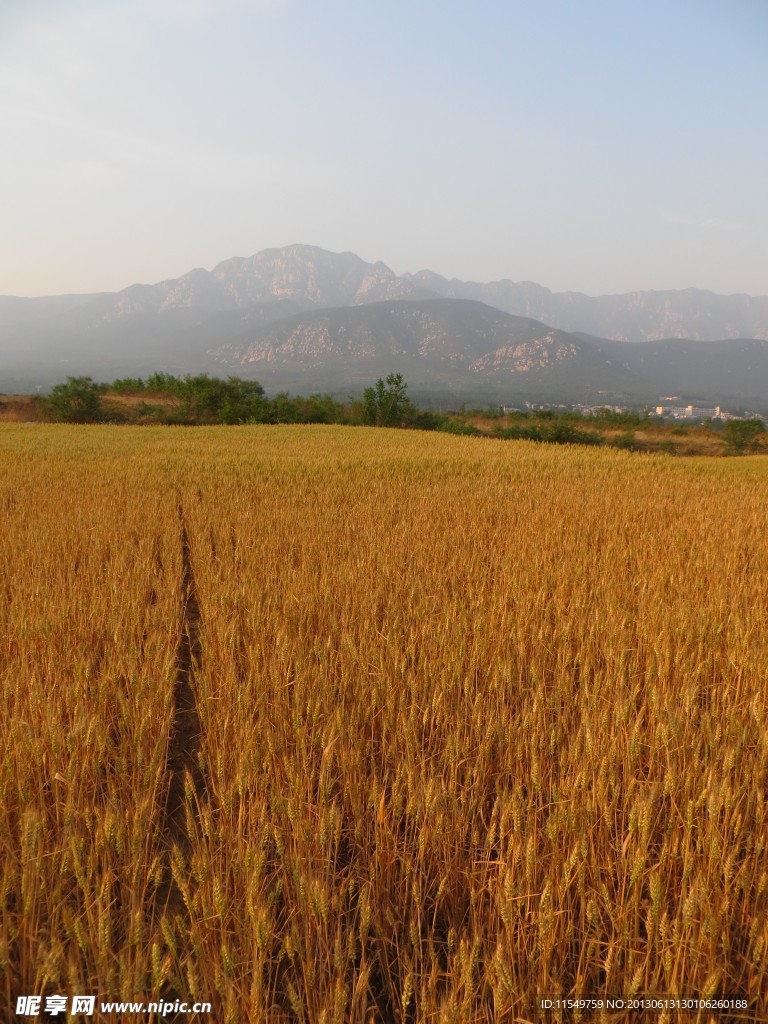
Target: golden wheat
{"type": "Point", "coordinates": [480, 722]}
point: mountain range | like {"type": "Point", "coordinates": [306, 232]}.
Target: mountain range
{"type": "Point", "coordinates": [304, 319]}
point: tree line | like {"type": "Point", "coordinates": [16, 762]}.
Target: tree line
{"type": "Point", "coordinates": [200, 399]}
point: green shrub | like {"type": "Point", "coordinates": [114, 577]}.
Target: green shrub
{"type": "Point", "coordinates": [741, 435]}
{"type": "Point", "coordinates": [625, 440]}
{"type": "Point", "coordinates": [449, 426]}
{"type": "Point", "coordinates": [77, 401]}
{"type": "Point", "coordinates": [126, 385]}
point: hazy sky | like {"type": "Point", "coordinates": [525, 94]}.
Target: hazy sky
{"type": "Point", "coordinates": [598, 145]}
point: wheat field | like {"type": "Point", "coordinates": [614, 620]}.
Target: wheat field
{"type": "Point", "coordinates": [330, 724]}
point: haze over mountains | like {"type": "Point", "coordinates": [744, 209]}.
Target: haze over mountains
{"type": "Point", "coordinates": [304, 319]}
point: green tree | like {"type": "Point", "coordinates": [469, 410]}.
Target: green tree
{"type": "Point", "coordinates": [741, 435]}
{"type": "Point", "coordinates": [77, 401]}
{"type": "Point", "coordinates": [127, 385]}
{"type": "Point", "coordinates": [164, 384]}
{"type": "Point", "coordinates": [243, 402]}
{"type": "Point", "coordinates": [387, 404]}
{"type": "Point", "coordinates": [202, 397]}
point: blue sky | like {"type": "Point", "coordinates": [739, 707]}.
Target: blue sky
{"type": "Point", "coordinates": [599, 146]}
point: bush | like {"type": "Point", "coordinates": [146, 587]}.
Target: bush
{"type": "Point", "coordinates": [518, 433]}
{"type": "Point", "coordinates": [206, 399]}
{"type": "Point", "coordinates": [77, 401]}
{"type": "Point", "coordinates": [565, 433]}
{"type": "Point", "coordinates": [428, 420]}
{"type": "Point", "coordinates": [241, 401]}
{"type": "Point", "coordinates": [552, 430]}
{"type": "Point", "coordinates": [127, 385]}
{"type": "Point", "coordinates": [164, 384]}
{"type": "Point", "coordinates": [449, 426]}
{"type": "Point", "coordinates": [741, 435]}
{"type": "Point", "coordinates": [625, 440]}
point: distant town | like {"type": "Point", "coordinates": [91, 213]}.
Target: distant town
{"type": "Point", "coordinates": [693, 413]}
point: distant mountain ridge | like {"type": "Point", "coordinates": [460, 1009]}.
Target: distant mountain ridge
{"type": "Point", "coordinates": [305, 276]}
{"type": "Point", "coordinates": [636, 316]}
{"type": "Point", "coordinates": [305, 319]}
{"type": "Point", "coordinates": [311, 277]}
{"type": "Point", "coordinates": [453, 342]}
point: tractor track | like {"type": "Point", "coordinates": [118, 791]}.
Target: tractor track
{"type": "Point", "coordinates": [186, 786]}
{"type": "Point", "coordinates": [183, 759]}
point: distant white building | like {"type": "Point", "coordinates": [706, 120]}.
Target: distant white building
{"type": "Point", "coordinates": [692, 412]}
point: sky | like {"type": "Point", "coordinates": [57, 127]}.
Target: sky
{"type": "Point", "coordinates": [600, 146]}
